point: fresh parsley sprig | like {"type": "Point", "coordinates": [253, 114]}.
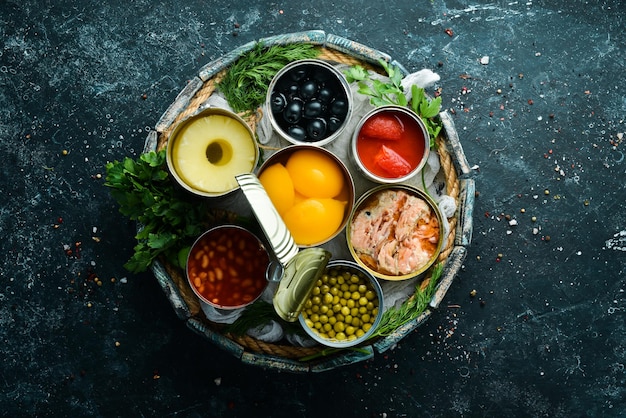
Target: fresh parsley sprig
{"type": "Point", "coordinates": [391, 92]}
{"type": "Point", "coordinates": [167, 217]}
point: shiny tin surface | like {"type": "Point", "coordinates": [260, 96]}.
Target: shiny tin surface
{"type": "Point", "coordinates": [329, 72]}
{"type": "Point", "coordinates": [421, 130]}
{"type": "Point", "coordinates": [297, 271]}
{"type": "Point", "coordinates": [415, 192]}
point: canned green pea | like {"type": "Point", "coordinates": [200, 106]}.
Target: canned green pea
{"type": "Point", "coordinates": [344, 307]}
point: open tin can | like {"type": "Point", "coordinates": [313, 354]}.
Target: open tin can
{"type": "Point", "coordinates": [309, 102]}
{"type": "Point", "coordinates": [207, 150]}
{"type": "Point", "coordinates": [395, 232]}
{"type": "Point", "coordinates": [390, 144]}
{"type": "Point", "coordinates": [296, 270]}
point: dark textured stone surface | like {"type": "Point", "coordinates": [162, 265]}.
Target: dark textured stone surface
{"type": "Point", "coordinates": [545, 334]}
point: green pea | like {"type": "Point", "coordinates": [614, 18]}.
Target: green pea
{"type": "Point", "coordinates": [342, 306]}
{"type": "Point", "coordinates": [328, 298]}
{"type": "Point", "coordinates": [339, 326]}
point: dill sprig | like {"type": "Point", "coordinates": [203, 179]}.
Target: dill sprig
{"type": "Point", "coordinates": [246, 82]}
{"type": "Point", "coordinates": [258, 314]}
{"type": "Point", "coordinates": [394, 318]}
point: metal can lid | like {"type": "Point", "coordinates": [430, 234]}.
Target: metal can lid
{"type": "Point", "coordinates": [297, 270]}
{"type": "Point", "coordinates": [275, 230]}
{"type": "Point", "coordinates": [299, 278]}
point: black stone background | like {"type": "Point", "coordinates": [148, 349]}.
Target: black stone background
{"type": "Point", "coordinates": [549, 339]}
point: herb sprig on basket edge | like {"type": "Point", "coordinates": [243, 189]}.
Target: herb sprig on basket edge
{"type": "Point", "coordinates": [393, 318]}
{"type": "Point", "coordinates": [246, 82]}
{"type": "Point", "coordinates": [391, 92]}
{"type": "Point", "coordinates": [168, 219]}
{"type": "Point", "coordinates": [258, 314]}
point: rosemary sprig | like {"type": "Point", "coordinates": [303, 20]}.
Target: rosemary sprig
{"type": "Point", "coordinates": [392, 93]}
{"type": "Point", "coordinates": [246, 82]}
{"type": "Point", "coordinates": [393, 318]}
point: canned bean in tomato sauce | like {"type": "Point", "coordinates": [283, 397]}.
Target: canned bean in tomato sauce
{"type": "Point", "coordinates": [226, 267]}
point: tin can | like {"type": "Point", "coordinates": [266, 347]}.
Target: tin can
{"type": "Point", "coordinates": [407, 236]}
{"type": "Point", "coordinates": [309, 101]}
{"type": "Point", "coordinates": [207, 150]}
{"type": "Point", "coordinates": [390, 144]}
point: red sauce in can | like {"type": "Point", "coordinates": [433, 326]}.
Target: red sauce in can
{"type": "Point", "coordinates": [227, 267]}
{"type": "Point", "coordinates": [390, 144]}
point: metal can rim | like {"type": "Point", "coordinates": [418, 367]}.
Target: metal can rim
{"type": "Point", "coordinates": [384, 180]}
{"type": "Point", "coordinates": [422, 195]}
{"type": "Point", "coordinates": [342, 81]}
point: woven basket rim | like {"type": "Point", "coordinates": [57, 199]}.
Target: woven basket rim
{"type": "Point", "coordinates": [280, 350]}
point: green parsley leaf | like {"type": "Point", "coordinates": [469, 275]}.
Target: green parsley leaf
{"type": "Point", "coordinates": [168, 217]}
{"type": "Point", "coordinates": [390, 92]}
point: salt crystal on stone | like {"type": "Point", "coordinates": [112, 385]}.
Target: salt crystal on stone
{"type": "Point", "coordinates": [513, 222]}
{"type": "Point", "coordinates": [484, 60]}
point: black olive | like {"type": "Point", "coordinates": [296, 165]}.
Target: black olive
{"type": "Point", "coordinates": [334, 123]}
{"type": "Point", "coordinates": [313, 109]}
{"type": "Point", "coordinates": [316, 129]}
{"type": "Point", "coordinates": [322, 75]}
{"type": "Point", "coordinates": [291, 90]}
{"type": "Point", "coordinates": [339, 107]}
{"type": "Point", "coordinates": [308, 89]}
{"type": "Point", "coordinates": [297, 132]}
{"type": "Point", "coordinates": [325, 95]}
{"type": "Point", "coordinates": [298, 73]}
{"type": "Point", "coordinates": [278, 102]}
{"type": "Point", "coordinates": [293, 111]}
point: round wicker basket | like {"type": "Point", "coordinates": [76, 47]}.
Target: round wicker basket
{"type": "Point", "coordinates": [283, 356]}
